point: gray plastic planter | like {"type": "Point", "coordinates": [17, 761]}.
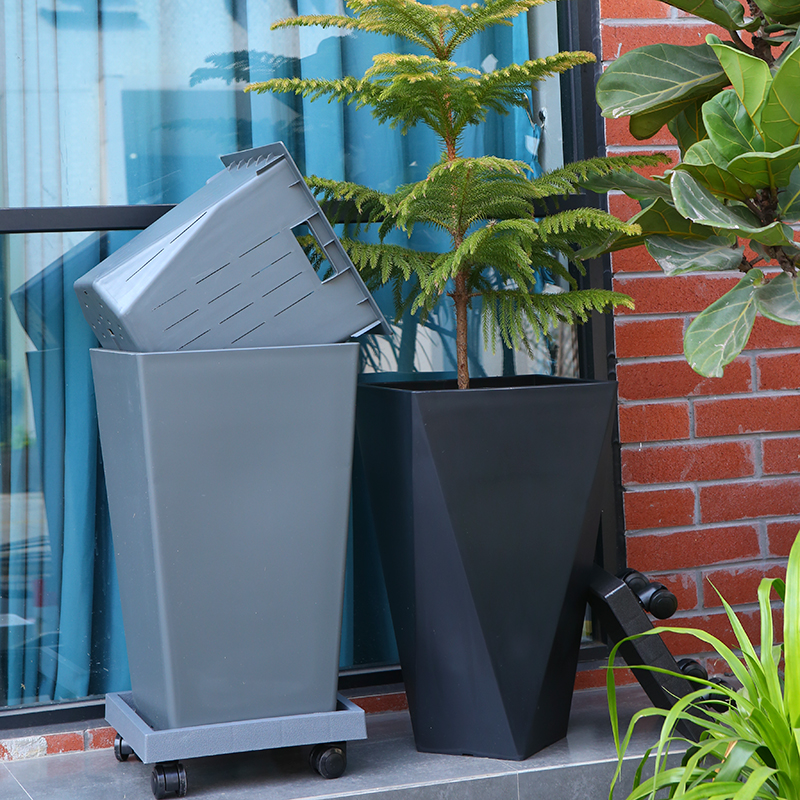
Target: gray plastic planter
{"type": "Point", "coordinates": [228, 477]}
{"type": "Point", "coordinates": [224, 269]}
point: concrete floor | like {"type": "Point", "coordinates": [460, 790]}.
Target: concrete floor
{"type": "Point", "coordinates": [385, 765]}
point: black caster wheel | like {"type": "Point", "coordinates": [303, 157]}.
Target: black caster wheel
{"type": "Point", "coordinates": [121, 749]}
{"type": "Point", "coordinates": [329, 760]}
{"type": "Point", "coordinates": [168, 779]}
{"type": "Point", "coordinates": [692, 669]}
{"type": "Point", "coordinates": [654, 597]}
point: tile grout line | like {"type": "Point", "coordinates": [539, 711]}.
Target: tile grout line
{"type": "Point", "coordinates": [414, 785]}
{"type": "Point", "coordinates": [27, 794]}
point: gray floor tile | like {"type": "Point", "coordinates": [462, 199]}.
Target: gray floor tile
{"type": "Point", "coordinates": [386, 766]}
{"type": "Point", "coordinates": [9, 788]}
{"type": "Point", "coordinates": [82, 776]}
{"type": "Point", "coordinates": [496, 787]}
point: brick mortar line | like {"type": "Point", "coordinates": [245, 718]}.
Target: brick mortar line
{"type": "Point", "coordinates": [709, 526]}
{"type": "Point", "coordinates": [679, 358]}
{"type": "Point", "coordinates": [674, 358]}
{"type": "Point", "coordinates": [746, 563]}
{"type": "Point", "coordinates": [658, 273]}
{"type": "Point", "coordinates": [775, 394]}
{"type": "Point", "coordinates": [755, 355]}
{"type": "Point", "coordinates": [641, 488]}
{"type": "Point", "coordinates": [655, 401]}
{"type": "Point", "coordinates": [667, 22]}
{"type": "Point", "coordinates": [698, 613]}
{"type": "Point", "coordinates": [705, 440]}
{"type": "Point", "coordinates": [633, 149]}
{"type": "Point", "coordinates": [770, 271]}
{"type": "Point", "coordinates": [752, 479]}
{"type": "Point", "coordinates": [788, 350]}
{"type": "Point", "coordinates": [706, 398]}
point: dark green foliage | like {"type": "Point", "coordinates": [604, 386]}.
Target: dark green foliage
{"type": "Point", "coordinates": [740, 169]}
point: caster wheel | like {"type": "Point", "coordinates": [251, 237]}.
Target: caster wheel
{"type": "Point", "coordinates": [121, 749]}
{"type": "Point", "coordinates": [168, 779]}
{"type": "Point", "coordinates": [692, 669]}
{"type": "Point", "coordinates": [329, 760]}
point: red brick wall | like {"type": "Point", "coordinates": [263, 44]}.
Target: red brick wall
{"type": "Point", "coordinates": [710, 466]}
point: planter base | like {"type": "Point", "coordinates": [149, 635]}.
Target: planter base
{"type": "Point", "coordinates": [346, 723]}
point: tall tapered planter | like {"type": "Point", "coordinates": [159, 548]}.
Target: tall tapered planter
{"type": "Point", "coordinates": [228, 475]}
{"type": "Point", "coordinates": [487, 504]}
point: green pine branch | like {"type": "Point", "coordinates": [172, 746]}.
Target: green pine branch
{"type": "Point", "coordinates": [491, 208]}
{"type": "Point", "coordinates": [440, 29]}
{"type": "Point", "coordinates": [380, 263]}
{"type": "Point", "coordinates": [519, 317]}
{"type": "Point", "coordinates": [569, 178]}
{"type": "Point", "coordinates": [404, 90]}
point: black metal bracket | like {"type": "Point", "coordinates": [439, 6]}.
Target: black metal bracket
{"type": "Point", "coordinates": [621, 615]}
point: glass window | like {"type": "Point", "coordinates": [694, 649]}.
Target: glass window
{"type": "Point", "coordinates": [131, 102]}
{"type": "Point", "coordinates": [60, 633]}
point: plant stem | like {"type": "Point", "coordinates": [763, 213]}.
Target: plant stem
{"type": "Point", "coordinates": [461, 302]}
{"type": "Point", "coordinates": [461, 297]}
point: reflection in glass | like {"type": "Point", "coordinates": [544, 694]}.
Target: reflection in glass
{"type": "Point", "coordinates": [59, 638]}
{"type": "Point", "coordinates": [132, 101]}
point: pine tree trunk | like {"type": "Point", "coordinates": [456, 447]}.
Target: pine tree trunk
{"type": "Point", "coordinates": [461, 301]}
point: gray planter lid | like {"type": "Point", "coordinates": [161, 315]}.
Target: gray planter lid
{"type": "Point", "coordinates": [224, 269]}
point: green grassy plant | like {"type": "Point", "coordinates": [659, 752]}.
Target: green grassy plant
{"type": "Point", "coordinates": [749, 745]}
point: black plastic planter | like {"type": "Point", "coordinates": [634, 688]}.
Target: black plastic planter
{"type": "Point", "coordinates": [487, 504]}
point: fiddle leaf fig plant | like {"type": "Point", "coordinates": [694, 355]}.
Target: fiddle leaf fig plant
{"type": "Point", "coordinates": [731, 202]}
{"type": "Point", "coordinates": [492, 209]}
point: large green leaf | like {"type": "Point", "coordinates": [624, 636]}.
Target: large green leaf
{"type": "Point", "coordinates": [729, 14]}
{"type": "Point", "coordinates": [780, 299]}
{"type": "Point", "coordinates": [789, 198]}
{"type": "Point", "coordinates": [719, 181]}
{"type": "Point", "coordinates": [662, 218]}
{"type": "Point", "coordinates": [719, 333]}
{"type": "Point", "coordinates": [780, 116]}
{"type": "Point", "coordinates": [658, 76]}
{"type": "Point", "coordinates": [749, 75]}
{"type": "Point", "coordinates": [696, 203]}
{"type": "Point", "coordinates": [632, 183]}
{"type": "Point", "coordinates": [677, 254]}
{"type": "Point", "coordinates": [729, 125]}
{"type": "Point", "coordinates": [766, 170]}
{"type": "Point", "coordinates": [708, 166]}
{"type": "Point", "coordinates": [781, 10]}
{"type": "Point", "coordinates": [648, 123]}
{"type": "Point", "coordinates": [659, 218]}
{"type": "Point", "coordinates": [791, 48]}
{"type": "Point", "coordinates": [705, 152]}
{"type": "Point", "coordinates": [688, 127]}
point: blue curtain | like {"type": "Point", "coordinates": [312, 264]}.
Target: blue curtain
{"type": "Point", "coordinates": [133, 103]}
{"type": "Point", "coordinates": [62, 583]}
